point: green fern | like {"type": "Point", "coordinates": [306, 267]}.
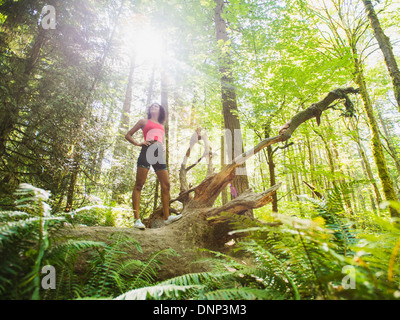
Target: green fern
{"type": "Point", "coordinates": [28, 241]}
{"type": "Point", "coordinates": [159, 292]}
{"type": "Point", "coordinates": [199, 278]}
{"type": "Point", "coordinates": [331, 209]}
{"type": "Point", "coordinates": [229, 280]}
{"type": "Point", "coordinates": [277, 275]}
{"type": "Point", "coordinates": [111, 274]}
{"type": "Point", "coordinates": [296, 256]}
{"type": "Point", "coordinates": [149, 269]}
{"type": "Point", "coordinates": [101, 273]}
{"type": "Point", "coordinates": [24, 240]}
{"type": "Point", "coordinates": [242, 294]}
{"type": "Point", "coordinates": [7, 216]}
{"type": "Point", "coordinates": [64, 257]}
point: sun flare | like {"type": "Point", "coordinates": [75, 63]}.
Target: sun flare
{"type": "Point", "coordinates": [143, 39]}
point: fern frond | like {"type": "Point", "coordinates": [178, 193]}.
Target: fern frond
{"type": "Point", "coordinates": [242, 294]}
{"type": "Point", "coordinates": [148, 271]}
{"type": "Point", "coordinates": [279, 275]}
{"type": "Point", "coordinates": [194, 278]}
{"type": "Point", "coordinates": [70, 248]}
{"type": "Point", "coordinates": [12, 215]}
{"type": "Point", "coordinates": [158, 292]}
{"type": "Point", "coordinates": [16, 228]}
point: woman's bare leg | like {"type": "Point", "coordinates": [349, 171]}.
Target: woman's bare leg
{"type": "Point", "coordinates": [165, 188]}
{"type": "Point", "coordinates": [141, 176]}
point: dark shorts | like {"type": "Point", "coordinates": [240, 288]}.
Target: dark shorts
{"type": "Point", "coordinates": [152, 155]}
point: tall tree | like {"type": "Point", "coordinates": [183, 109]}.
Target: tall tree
{"type": "Point", "coordinates": [390, 146]}
{"type": "Point", "coordinates": [355, 134]}
{"type": "Point", "coordinates": [165, 92]}
{"type": "Point", "coordinates": [228, 96]}
{"type": "Point", "coordinates": [377, 148]}
{"type": "Point", "coordinates": [119, 171]}
{"type": "Point", "coordinates": [348, 37]}
{"type": "Point", "coordinates": [386, 48]}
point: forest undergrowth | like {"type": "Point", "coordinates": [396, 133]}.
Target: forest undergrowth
{"type": "Point", "coordinates": [324, 254]}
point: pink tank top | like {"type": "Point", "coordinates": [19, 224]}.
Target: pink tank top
{"type": "Point", "coordinates": [153, 131]}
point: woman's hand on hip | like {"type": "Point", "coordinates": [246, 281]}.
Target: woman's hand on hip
{"type": "Point", "coordinates": [144, 143]}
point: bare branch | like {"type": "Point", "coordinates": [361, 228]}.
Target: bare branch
{"type": "Point", "coordinates": [247, 200]}
{"type": "Point", "coordinates": [207, 192]}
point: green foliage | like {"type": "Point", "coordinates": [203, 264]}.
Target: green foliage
{"type": "Point", "coordinates": [376, 264]}
{"type": "Point", "coordinates": [26, 246]}
{"type": "Point", "coordinates": [229, 280]}
{"type": "Point", "coordinates": [104, 267]}
{"type": "Point", "coordinates": [24, 239]}
{"type": "Point", "coordinates": [61, 95]}
{"type": "Point", "coordinates": [332, 210]}
{"type": "Point", "coordinates": [109, 273]}
{"type": "Point", "coordinates": [159, 292]}
{"type": "Point", "coordinates": [298, 252]}
{"type": "Point", "coordinates": [94, 215]}
{"type": "Point", "coordinates": [313, 253]}
{"type": "Point", "coordinates": [64, 258]}
{"type": "Point", "coordinates": [294, 258]}
{"type": "Point", "coordinates": [101, 215]}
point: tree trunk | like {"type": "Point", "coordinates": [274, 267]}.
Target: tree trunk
{"type": "Point", "coordinates": [271, 169]}
{"type": "Point", "coordinates": [311, 160]}
{"type": "Point", "coordinates": [329, 155]}
{"type": "Point", "coordinates": [377, 148]}
{"type": "Point", "coordinates": [368, 174]}
{"type": "Point", "coordinates": [392, 150]}
{"type": "Point", "coordinates": [72, 183]}
{"type": "Point", "coordinates": [149, 100]}
{"type": "Point", "coordinates": [386, 48]}
{"type": "Point", "coordinates": [288, 187]}
{"type": "Point", "coordinates": [151, 86]}
{"type": "Point", "coordinates": [365, 163]}
{"type": "Point", "coordinates": [234, 143]}
{"type": "Point", "coordinates": [193, 231]}
{"type": "Point", "coordinates": [224, 193]}
{"type": "Point", "coordinates": [120, 148]}
{"type": "Point", "coordinates": [164, 94]}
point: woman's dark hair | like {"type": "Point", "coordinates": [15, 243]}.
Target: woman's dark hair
{"type": "Point", "coordinates": [162, 115]}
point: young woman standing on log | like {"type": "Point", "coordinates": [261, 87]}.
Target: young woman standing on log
{"type": "Point", "coordinates": [152, 154]}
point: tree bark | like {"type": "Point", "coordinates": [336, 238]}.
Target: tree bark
{"type": "Point", "coordinates": [120, 148]}
{"type": "Point", "coordinates": [365, 163]}
{"type": "Point", "coordinates": [271, 169]}
{"type": "Point", "coordinates": [228, 96]}
{"type": "Point", "coordinates": [224, 193]}
{"type": "Point", "coordinates": [374, 202]}
{"type": "Point", "coordinates": [386, 48]}
{"type": "Point", "coordinates": [377, 148]}
{"type": "Point", "coordinates": [392, 150]}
